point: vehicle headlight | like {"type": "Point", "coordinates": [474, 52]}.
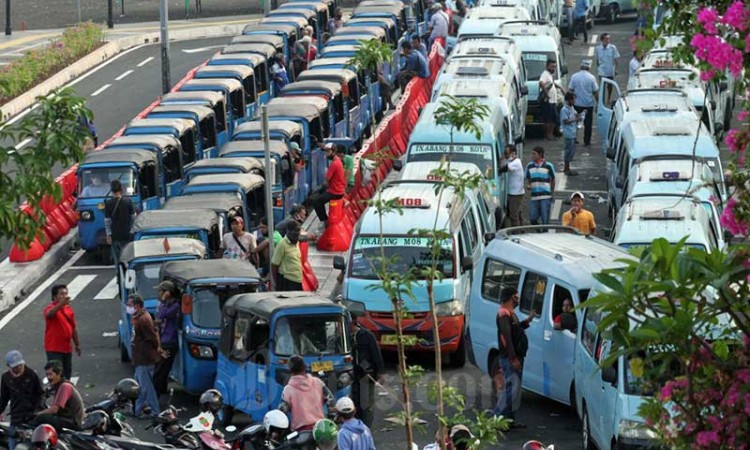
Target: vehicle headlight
{"type": "Point", "coordinates": [345, 379]}
{"type": "Point", "coordinates": [631, 429]}
{"type": "Point", "coordinates": [87, 216]}
{"type": "Point", "coordinates": [202, 351]}
{"type": "Point", "coordinates": [355, 307]}
{"type": "Point", "coordinates": [451, 308]}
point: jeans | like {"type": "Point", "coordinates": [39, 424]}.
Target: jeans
{"type": "Point", "coordinates": [144, 375]}
{"type": "Point", "coordinates": [570, 150]}
{"type": "Point", "coordinates": [66, 359]}
{"type": "Point", "coordinates": [507, 381]}
{"type": "Point", "coordinates": [539, 211]}
{"type": "Point", "coordinates": [571, 21]}
{"type": "Point", "coordinates": [319, 204]}
{"type": "Point", "coordinates": [515, 209]}
{"type": "Point", "coordinates": [363, 395]}
{"type": "Point", "coordinates": [12, 437]}
{"type": "Point", "coordinates": [587, 122]}
{"type": "Point", "coordinates": [116, 249]}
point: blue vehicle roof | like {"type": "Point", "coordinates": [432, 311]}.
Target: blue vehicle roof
{"type": "Point", "coordinates": [186, 97]}
{"type": "Point", "coordinates": [179, 125]}
{"type": "Point", "coordinates": [149, 248]}
{"type": "Point", "coordinates": [245, 181]}
{"type": "Point", "coordinates": [203, 219]}
{"type": "Point", "coordinates": [287, 127]}
{"type": "Point", "coordinates": [265, 50]}
{"type": "Point", "coordinates": [250, 59]}
{"type": "Point", "coordinates": [664, 137]}
{"type": "Point", "coordinates": [160, 141]}
{"type": "Point", "coordinates": [221, 202]}
{"type": "Point", "coordinates": [428, 131]}
{"type": "Point", "coordinates": [216, 269]}
{"type": "Point", "coordinates": [200, 111]}
{"type": "Point", "coordinates": [134, 156]}
{"type": "Point", "coordinates": [267, 304]}
{"type": "Point", "coordinates": [254, 146]}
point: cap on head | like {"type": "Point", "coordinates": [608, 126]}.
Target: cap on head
{"type": "Point", "coordinates": [460, 429]}
{"type": "Point", "coordinates": [586, 64]}
{"type": "Point", "coordinates": [166, 285]}
{"type": "Point", "coordinates": [578, 194]}
{"type": "Point", "coordinates": [14, 358]}
{"type": "Point", "coordinates": [345, 405]}
{"type": "Point", "coordinates": [437, 6]}
{"type": "Point", "coordinates": [294, 146]}
{"type": "Point", "coordinates": [329, 146]}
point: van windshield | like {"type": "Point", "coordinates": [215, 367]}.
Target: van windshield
{"type": "Point", "coordinates": [636, 384]}
{"type": "Point", "coordinates": [536, 62]}
{"type": "Point", "coordinates": [209, 300]}
{"type": "Point", "coordinates": [146, 277]}
{"type": "Point", "coordinates": [481, 155]}
{"type": "Point", "coordinates": [403, 253]}
{"type": "Point", "coordinates": [311, 335]}
{"type": "Point", "coordinates": [96, 182]}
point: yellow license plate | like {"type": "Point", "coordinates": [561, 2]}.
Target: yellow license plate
{"type": "Point", "coordinates": [389, 339]}
{"type": "Point", "coordinates": [322, 366]}
{"type": "Point", "coordinates": [529, 118]}
{"type": "Point", "coordinates": [100, 205]}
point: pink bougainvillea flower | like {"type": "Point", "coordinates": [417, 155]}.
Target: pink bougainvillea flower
{"type": "Point", "coordinates": [737, 16]}
{"type": "Point", "coordinates": [708, 18]}
{"type": "Point", "coordinates": [730, 222]}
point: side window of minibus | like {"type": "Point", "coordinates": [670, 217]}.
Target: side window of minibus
{"type": "Point", "coordinates": [496, 277]}
{"type": "Point", "coordinates": [532, 293]}
{"type": "Point", "coordinates": [589, 333]}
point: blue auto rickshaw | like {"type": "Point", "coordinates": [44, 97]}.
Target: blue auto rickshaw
{"type": "Point", "coordinates": [168, 150]}
{"type": "Point", "coordinates": [288, 32]}
{"type": "Point", "coordinates": [249, 187]}
{"type": "Point", "coordinates": [261, 331]}
{"type": "Point", "coordinates": [137, 170]}
{"type": "Point", "coordinates": [200, 224]}
{"type": "Point", "coordinates": [292, 11]}
{"type": "Point", "coordinates": [258, 63]}
{"type": "Point", "coordinates": [330, 4]}
{"type": "Point", "coordinates": [232, 90]}
{"type": "Point", "coordinates": [204, 119]}
{"type": "Point", "coordinates": [213, 100]}
{"type": "Point", "coordinates": [322, 15]}
{"type": "Point", "coordinates": [389, 9]}
{"type": "Point", "coordinates": [387, 25]}
{"type": "Point", "coordinates": [243, 74]}
{"type": "Point", "coordinates": [206, 285]}
{"type": "Point", "coordinates": [138, 272]}
{"type": "Point", "coordinates": [183, 129]}
{"type": "Point", "coordinates": [297, 23]}
{"type": "Point", "coordinates": [226, 165]}
{"type": "Point", "coordinates": [286, 189]}
{"type": "Point", "coordinates": [226, 205]}
{"type": "Point", "coordinates": [332, 93]}
{"type": "Point", "coordinates": [273, 40]}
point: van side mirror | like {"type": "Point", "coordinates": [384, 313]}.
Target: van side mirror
{"type": "Point", "coordinates": [130, 279]}
{"type": "Point", "coordinates": [398, 165]}
{"type": "Point", "coordinates": [524, 90]}
{"type": "Point", "coordinates": [619, 182]}
{"type": "Point", "coordinates": [467, 263]}
{"type": "Point", "coordinates": [723, 85]}
{"type": "Point", "coordinates": [719, 127]}
{"type": "Point", "coordinates": [609, 375]}
{"type": "Point", "coordinates": [339, 263]}
{"type": "Point", "coordinates": [611, 153]}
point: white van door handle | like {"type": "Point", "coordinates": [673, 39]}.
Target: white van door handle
{"type": "Point", "coordinates": [547, 335]}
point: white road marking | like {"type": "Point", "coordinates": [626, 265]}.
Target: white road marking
{"type": "Point", "coordinates": [594, 38]}
{"type": "Point", "coordinates": [201, 49]}
{"type": "Point", "coordinates": [109, 292]}
{"type": "Point", "coordinates": [124, 74]}
{"type": "Point", "coordinates": [561, 181]}
{"type": "Point", "coordinates": [78, 284]}
{"type": "Point", "coordinates": [591, 51]}
{"type": "Point", "coordinates": [39, 290]}
{"type": "Point", "coordinates": [110, 334]}
{"type": "Point", "coordinates": [100, 267]}
{"type": "Point", "coordinates": [100, 90]}
{"type": "Point", "coordinates": [556, 207]}
{"type": "Point", "coordinates": [23, 143]}
{"type": "Point", "coordinates": [145, 61]}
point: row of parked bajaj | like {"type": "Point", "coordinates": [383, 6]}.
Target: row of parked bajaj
{"type": "Point", "coordinates": [194, 159]}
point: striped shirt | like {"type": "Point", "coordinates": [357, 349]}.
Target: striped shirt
{"type": "Point", "coordinates": [540, 177]}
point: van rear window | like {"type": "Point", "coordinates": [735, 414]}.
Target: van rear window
{"type": "Point", "coordinates": [496, 277]}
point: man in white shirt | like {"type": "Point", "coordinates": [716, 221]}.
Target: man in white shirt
{"type": "Point", "coordinates": [548, 97]}
{"type": "Point", "coordinates": [238, 244]}
{"type": "Point", "coordinates": [516, 192]}
{"type": "Point", "coordinates": [606, 62]}
{"type": "Point", "coordinates": [635, 63]}
{"type": "Point", "coordinates": [583, 84]}
{"type": "Point", "coordinates": [438, 25]}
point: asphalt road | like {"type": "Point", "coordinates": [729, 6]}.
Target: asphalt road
{"type": "Point", "coordinates": [97, 309]}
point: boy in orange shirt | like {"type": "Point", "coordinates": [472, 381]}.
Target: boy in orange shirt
{"type": "Point", "coordinates": [579, 218]}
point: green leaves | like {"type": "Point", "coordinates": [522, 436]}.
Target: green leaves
{"type": "Point", "coordinates": [371, 54]}
{"type": "Point", "coordinates": [461, 114]}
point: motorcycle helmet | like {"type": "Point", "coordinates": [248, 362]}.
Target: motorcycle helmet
{"type": "Point", "coordinates": [211, 400]}
{"type": "Point", "coordinates": [44, 436]}
{"type": "Point", "coordinates": [275, 419]}
{"type": "Point", "coordinates": [96, 422]}
{"type": "Point", "coordinates": [127, 389]}
{"type": "Point", "coordinates": [325, 434]}
{"type": "Point", "coordinates": [535, 445]}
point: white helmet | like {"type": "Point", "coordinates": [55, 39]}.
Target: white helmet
{"type": "Point", "coordinates": [276, 419]}
{"type": "Point", "coordinates": [345, 405]}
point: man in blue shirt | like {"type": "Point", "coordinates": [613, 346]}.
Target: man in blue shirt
{"type": "Point", "coordinates": [569, 125]}
{"type": "Point", "coordinates": [581, 8]}
{"type": "Point", "coordinates": [540, 179]}
{"type": "Point", "coordinates": [606, 62]}
{"type": "Point", "coordinates": [583, 84]}
{"type": "Point", "coordinates": [418, 45]}
{"type": "Point", "coordinates": [414, 65]}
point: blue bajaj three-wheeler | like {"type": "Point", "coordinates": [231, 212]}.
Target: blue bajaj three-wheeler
{"type": "Point", "coordinates": [205, 286]}
{"type": "Point", "coordinates": [137, 170]}
{"type": "Point", "coordinates": [202, 225]}
{"type": "Point", "coordinates": [138, 272]}
{"type": "Point", "coordinates": [261, 331]}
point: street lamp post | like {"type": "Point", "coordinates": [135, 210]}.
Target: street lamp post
{"type": "Point", "coordinates": [163, 19]}
{"type": "Point", "coordinates": [110, 23]}
{"type": "Point", "coordinates": [7, 18]}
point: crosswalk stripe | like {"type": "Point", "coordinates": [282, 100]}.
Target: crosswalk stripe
{"type": "Point", "coordinates": [78, 284]}
{"type": "Point", "coordinates": [556, 207]}
{"type": "Point", "coordinates": [109, 291]}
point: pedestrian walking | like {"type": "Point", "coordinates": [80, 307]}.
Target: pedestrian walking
{"type": "Point", "coordinates": [146, 354]}
{"type": "Point", "coordinates": [66, 409]}
{"type": "Point", "coordinates": [335, 22]}
{"type": "Point", "coordinates": [168, 321]}
{"type": "Point", "coordinates": [438, 24]}
{"type": "Point", "coordinates": [583, 84]}
{"type": "Point", "coordinates": [606, 55]}
{"type": "Point", "coordinates": [568, 8]}
{"type": "Point", "coordinates": [569, 120]}
{"type": "Point", "coordinates": [512, 345]}
{"type": "Point", "coordinates": [286, 263]}
{"type": "Point", "coordinates": [20, 387]}
{"type": "Point", "coordinates": [238, 244]}
{"type": "Point", "coordinates": [548, 92]}
{"type": "Point", "coordinates": [579, 218]}
{"type": "Point", "coordinates": [516, 192]}
{"type": "Point", "coordinates": [354, 434]}
{"type": "Point", "coordinates": [540, 179]}
{"type": "Point", "coordinates": [335, 187]}
{"type": "Point", "coordinates": [368, 368]}
{"type": "Point", "coordinates": [579, 13]}
{"type": "Point", "coordinates": [279, 73]}
{"type": "Point", "coordinates": [119, 215]}
{"type": "Point", "coordinates": [61, 331]}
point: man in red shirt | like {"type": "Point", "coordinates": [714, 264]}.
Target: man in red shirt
{"type": "Point", "coordinates": [335, 184]}
{"type": "Point", "coordinates": [60, 330]}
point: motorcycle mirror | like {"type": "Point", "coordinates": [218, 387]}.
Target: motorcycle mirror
{"type": "Point", "coordinates": [231, 429]}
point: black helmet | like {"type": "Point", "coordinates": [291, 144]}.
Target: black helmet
{"type": "Point", "coordinates": [127, 389]}
{"type": "Point", "coordinates": [96, 422]}
{"type": "Point", "coordinates": [211, 400]}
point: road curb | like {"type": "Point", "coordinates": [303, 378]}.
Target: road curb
{"type": "Point", "coordinates": [17, 279]}
{"type": "Point", "coordinates": [107, 51]}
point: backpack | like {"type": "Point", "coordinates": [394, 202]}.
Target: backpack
{"type": "Point", "coordinates": [520, 340]}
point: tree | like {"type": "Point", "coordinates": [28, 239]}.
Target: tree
{"type": "Point", "coordinates": [57, 138]}
{"type": "Point", "coordinates": [370, 56]}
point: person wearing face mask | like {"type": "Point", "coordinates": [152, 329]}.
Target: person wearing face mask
{"type": "Point", "coordinates": [146, 351]}
{"type": "Point", "coordinates": [20, 387]}
{"type": "Point", "coordinates": [168, 321]}
{"type": "Point", "coordinates": [286, 263]}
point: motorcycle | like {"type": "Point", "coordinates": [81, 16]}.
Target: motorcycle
{"type": "Point", "coordinates": [111, 406]}
{"type": "Point", "coordinates": [198, 433]}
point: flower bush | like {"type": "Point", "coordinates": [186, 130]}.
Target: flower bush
{"type": "Point", "coordinates": [38, 65]}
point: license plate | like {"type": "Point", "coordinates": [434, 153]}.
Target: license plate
{"type": "Point", "coordinates": [529, 118]}
{"type": "Point", "coordinates": [389, 339]}
{"type": "Point", "coordinates": [100, 206]}
{"type": "Point", "coordinates": [322, 366]}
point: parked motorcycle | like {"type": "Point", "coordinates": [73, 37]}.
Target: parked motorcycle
{"type": "Point", "coordinates": [198, 433]}
{"type": "Point", "coordinates": [121, 398]}
{"type": "Point", "coordinates": [270, 435]}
